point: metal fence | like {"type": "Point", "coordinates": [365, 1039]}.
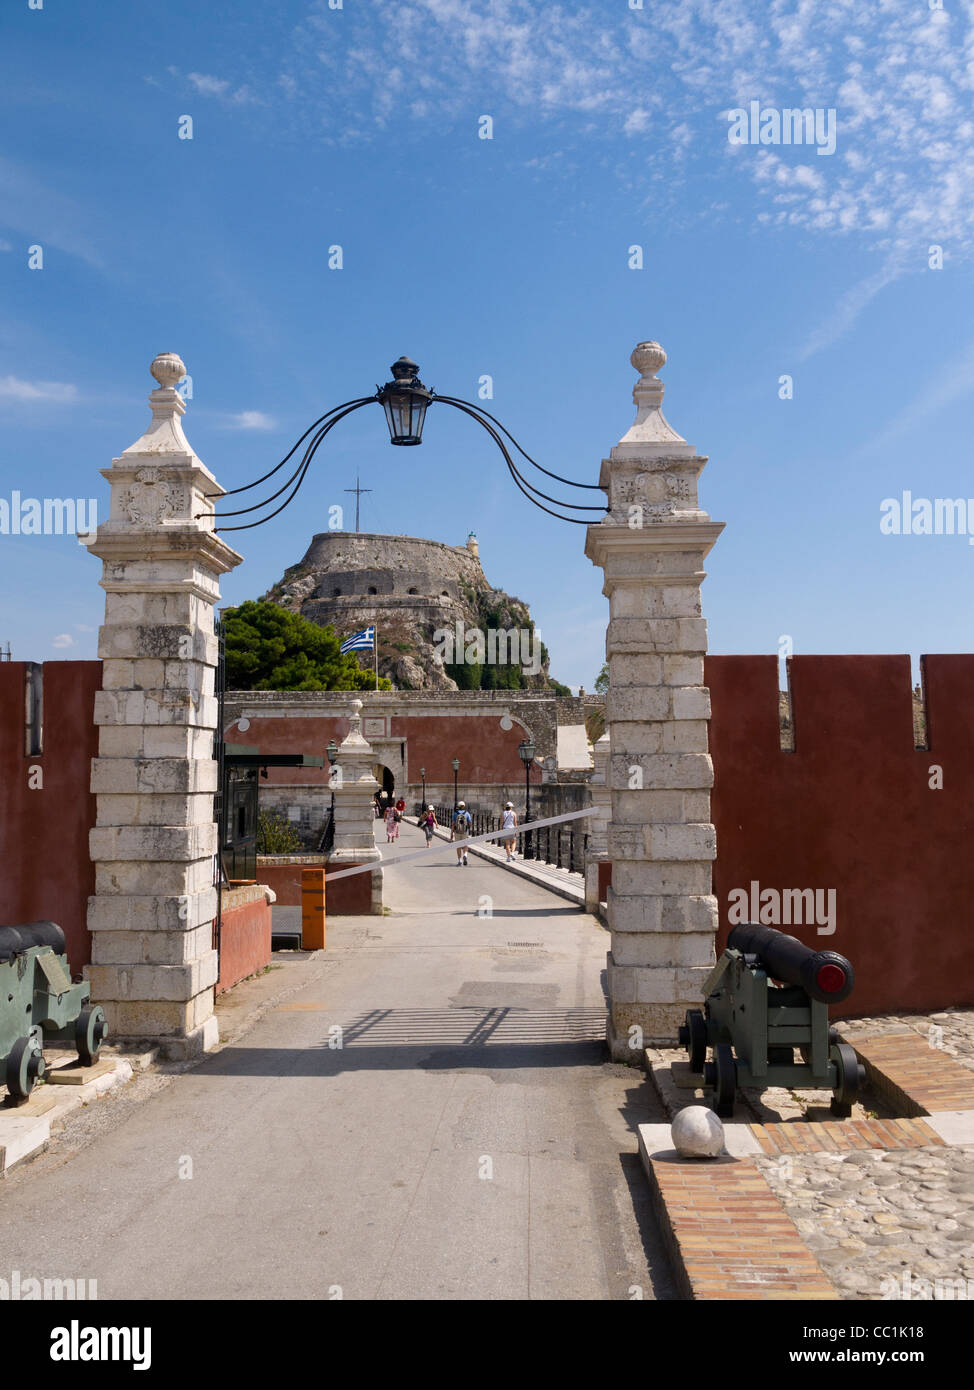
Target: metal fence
{"type": "Point", "coordinates": [561, 845]}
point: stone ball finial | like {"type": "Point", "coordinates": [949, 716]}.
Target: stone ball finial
{"type": "Point", "coordinates": [168, 368]}
{"type": "Point", "coordinates": [647, 358]}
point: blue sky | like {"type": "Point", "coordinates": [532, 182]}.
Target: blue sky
{"type": "Point", "coordinates": [510, 257]}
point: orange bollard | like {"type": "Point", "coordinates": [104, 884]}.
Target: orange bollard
{"type": "Point", "coordinates": [313, 909]}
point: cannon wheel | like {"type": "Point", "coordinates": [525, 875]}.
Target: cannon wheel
{"type": "Point", "coordinates": [725, 1080]}
{"type": "Point", "coordinates": [89, 1031]}
{"type": "Point", "coordinates": [693, 1036]}
{"type": "Point", "coordinates": [25, 1066]}
{"type": "Point", "coordinates": [851, 1077]}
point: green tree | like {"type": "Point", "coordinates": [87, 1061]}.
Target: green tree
{"type": "Point", "coordinates": [602, 679]}
{"type": "Point", "coordinates": [270, 648]}
{"type": "Point", "coordinates": [276, 834]}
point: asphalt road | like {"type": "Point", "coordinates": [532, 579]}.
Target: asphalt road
{"type": "Point", "coordinates": [468, 1139]}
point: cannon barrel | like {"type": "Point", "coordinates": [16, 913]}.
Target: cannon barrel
{"type": "Point", "coordinates": [823, 975]}
{"type": "Point", "coordinates": [13, 940]}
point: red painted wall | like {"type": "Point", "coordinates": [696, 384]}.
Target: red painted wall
{"type": "Point", "coordinates": [487, 753]}
{"type": "Point", "coordinates": [245, 942]}
{"type": "Point", "coordinates": [346, 897]}
{"type": "Point", "coordinates": [851, 809]}
{"type": "Point", "coordinates": [45, 872]}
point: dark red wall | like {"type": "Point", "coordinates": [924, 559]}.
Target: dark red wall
{"type": "Point", "coordinates": [245, 942]}
{"type": "Point", "coordinates": [45, 872]}
{"type": "Point", "coordinates": [851, 809]}
{"type": "Point", "coordinates": [487, 753]}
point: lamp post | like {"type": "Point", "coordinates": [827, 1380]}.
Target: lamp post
{"type": "Point", "coordinates": [405, 401]}
{"type": "Point", "coordinates": [422, 773]}
{"type": "Point", "coordinates": [525, 752]}
{"type": "Point", "coordinates": [456, 769]}
{"type": "Point", "coordinates": [332, 751]}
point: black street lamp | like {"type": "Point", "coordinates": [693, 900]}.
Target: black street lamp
{"type": "Point", "coordinates": [332, 751]}
{"type": "Point", "coordinates": [405, 401]}
{"type": "Point", "coordinates": [525, 752]}
{"type": "Point", "coordinates": [456, 769]}
{"type": "Point", "coordinates": [422, 773]}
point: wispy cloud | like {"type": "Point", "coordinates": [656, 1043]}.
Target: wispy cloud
{"type": "Point", "coordinates": [951, 384]}
{"type": "Point", "coordinates": [44, 215]}
{"type": "Point", "coordinates": [63, 639]}
{"type": "Point", "coordinates": [13, 388]}
{"type": "Point", "coordinates": [845, 313]}
{"type": "Point", "coordinates": [899, 76]}
{"type": "Point", "coordinates": [206, 85]}
{"type": "Point", "coordinates": [251, 420]}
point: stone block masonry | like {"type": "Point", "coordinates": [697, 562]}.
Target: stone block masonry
{"type": "Point", "coordinates": [652, 545]}
{"type": "Point", "coordinates": [153, 966]}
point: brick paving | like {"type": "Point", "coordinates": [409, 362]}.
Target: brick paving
{"type": "Point", "coordinates": [914, 1077]}
{"type": "Point", "coordinates": [730, 1234]}
{"type": "Point", "coordinates": [844, 1136]}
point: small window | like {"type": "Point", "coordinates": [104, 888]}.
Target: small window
{"type": "Point", "coordinates": [336, 593]}
{"type": "Point", "coordinates": [444, 594]}
{"type": "Point", "coordinates": [373, 590]}
{"type": "Point", "coordinates": [414, 591]}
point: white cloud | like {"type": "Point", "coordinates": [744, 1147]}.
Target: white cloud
{"type": "Point", "coordinates": [64, 639]}
{"type": "Point", "coordinates": [12, 388]}
{"type": "Point", "coordinates": [251, 420]}
{"type": "Point", "coordinates": [899, 76]}
{"type": "Point", "coordinates": [83, 627]}
{"type": "Point", "coordinates": [208, 86]}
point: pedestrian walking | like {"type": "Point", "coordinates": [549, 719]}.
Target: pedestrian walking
{"type": "Point", "coordinates": [459, 830]}
{"type": "Point", "coordinates": [393, 817]}
{"type": "Point", "coordinates": [508, 822]}
{"type": "Point", "coordinates": [428, 823]}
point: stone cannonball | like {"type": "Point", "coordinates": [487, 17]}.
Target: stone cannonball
{"type": "Point", "coordinates": [697, 1133]}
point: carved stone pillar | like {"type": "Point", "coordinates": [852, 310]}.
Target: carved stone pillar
{"type": "Point", "coordinates": [652, 545]}
{"type": "Point", "coordinates": [597, 849]}
{"type": "Point", "coordinates": [355, 787]}
{"type": "Point", "coordinates": [153, 965]}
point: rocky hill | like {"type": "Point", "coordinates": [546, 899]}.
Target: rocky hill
{"type": "Point", "coordinates": [411, 588]}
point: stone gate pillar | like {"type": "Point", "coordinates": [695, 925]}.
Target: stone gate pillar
{"type": "Point", "coordinates": [652, 545]}
{"type": "Point", "coordinates": [354, 815]}
{"type": "Point", "coordinates": [597, 849]}
{"type": "Point", "coordinates": [153, 965]}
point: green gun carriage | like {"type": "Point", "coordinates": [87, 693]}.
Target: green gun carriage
{"type": "Point", "coordinates": [754, 1025]}
{"type": "Point", "coordinates": [39, 1004]}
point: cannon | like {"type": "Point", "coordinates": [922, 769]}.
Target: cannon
{"type": "Point", "coordinates": [767, 995]}
{"type": "Point", "coordinates": [39, 1004]}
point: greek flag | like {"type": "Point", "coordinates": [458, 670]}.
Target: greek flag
{"type": "Point", "coordinates": [363, 641]}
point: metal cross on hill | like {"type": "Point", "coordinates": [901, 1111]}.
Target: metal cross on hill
{"type": "Point", "coordinates": [358, 493]}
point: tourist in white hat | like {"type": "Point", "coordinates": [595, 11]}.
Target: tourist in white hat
{"type": "Point", "coordinates": [462, 821]}
{"type": "Point", "coordinates": [508, 822]}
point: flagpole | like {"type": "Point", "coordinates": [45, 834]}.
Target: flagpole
{"type": "Point", "coordinates": [375, 648]}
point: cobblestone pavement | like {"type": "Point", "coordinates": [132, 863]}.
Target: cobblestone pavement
{"type": "Point", "coordinates": [889, 1225]}
{"type": "Point", "coordinates": [952, 1031]}
{"type": "Point", "coordinates": [884, 1225]}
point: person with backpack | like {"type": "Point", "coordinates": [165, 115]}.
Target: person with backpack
{"type": "Point", "coordinates": [508, 822]}
{"type": "Point", "coordinates": [427, 822]}
{"type": "Point", "coordinates": [462, 821]}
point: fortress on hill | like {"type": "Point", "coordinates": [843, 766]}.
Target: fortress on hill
{"type": "Point", "coordinates": [410, 588]}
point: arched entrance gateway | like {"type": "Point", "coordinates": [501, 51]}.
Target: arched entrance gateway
{"type": "Point", "coordinates": [157, 714]}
